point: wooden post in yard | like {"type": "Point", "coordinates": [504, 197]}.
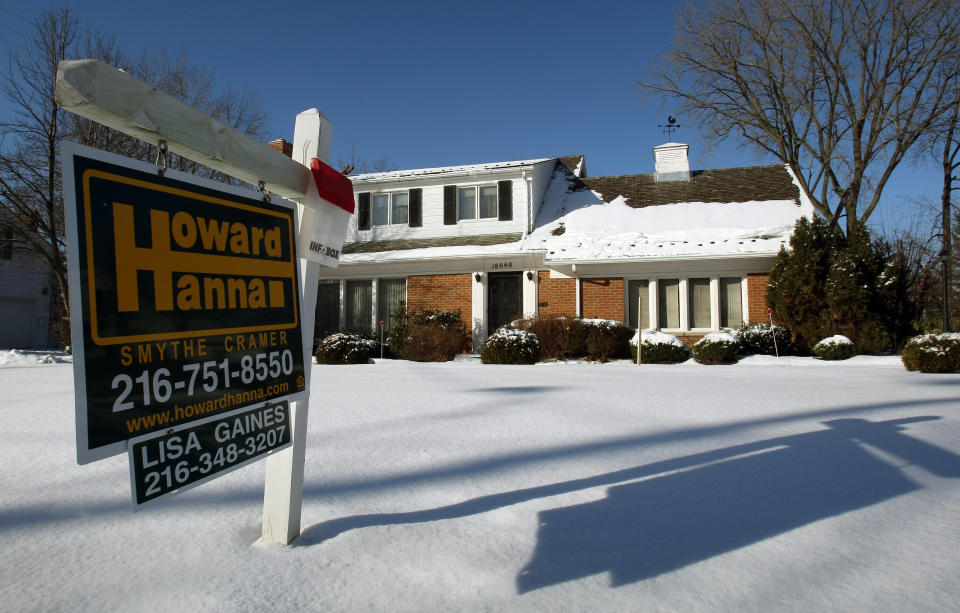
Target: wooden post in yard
{"type": "Point", "coordinates": [639, 327]}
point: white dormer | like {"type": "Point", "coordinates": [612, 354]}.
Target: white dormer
{"type": "Point", "coordinates": [672, 163]}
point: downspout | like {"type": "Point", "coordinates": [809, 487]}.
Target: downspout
{"type": "Point", "coordinates": [576, 281]}
{"type": "Point", "coordinates": [529, 183]}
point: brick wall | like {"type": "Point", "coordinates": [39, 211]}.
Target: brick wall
{"type": "Point", "coordinates": [602, 299]}
{"type": "Point", "coordinates": [556, 296]}
{"type": "Point", "coordinates": [757, 297]}
{"type": "Point", "coordinates": [446, 292]}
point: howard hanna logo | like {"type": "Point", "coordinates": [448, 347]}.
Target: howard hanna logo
{"type": "Point", "coordinates": [169, 260]}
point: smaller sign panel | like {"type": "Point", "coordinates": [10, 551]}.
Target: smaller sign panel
{"type": "Point", "coordinates": [188, 455]}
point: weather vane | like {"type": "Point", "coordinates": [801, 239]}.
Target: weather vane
{"type": "Point", "coordinates": [670, 126]}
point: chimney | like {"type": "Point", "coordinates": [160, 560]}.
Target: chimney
{"type": "Point", "coordinates": [282, 146]}
{"type": "Point", "coordinates": [671, 162]}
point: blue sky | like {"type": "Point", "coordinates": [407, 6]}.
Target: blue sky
{"type": "Point", "coordinates": [441, 83]}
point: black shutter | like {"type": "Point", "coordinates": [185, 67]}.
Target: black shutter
{"type": "Point", "coordinates": [363, 211]}
{"type": "Point", "coordinates": [415, 201]}
{"type": "Point", "coordinates": [449, 205]}
{"type": "Point", "coordinates": [505, 200]}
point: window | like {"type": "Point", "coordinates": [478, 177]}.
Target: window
{"type": "Point", "coordinates": [466, 203]}
{"type": "Point", "coordinates": [381, 209]}
{"type": "Point", "coordinates": [390, 294]}
{"type": "Point", "coordinates": [488, 201]}
{"type": "Point", "coordinates": [637, 290]}
{"type": "Point", "coordinates": [698, 295]}
{"type": "Point", "coordinates": [390, 209]}
{"type": "Point", "coordinates": [327, 316]}
{"type": "Point", "coordinates": [399, 208]}
{"type": "Point", "coordinates": [731, 302]}
{"type": "Point", "coordinates": [478, 202]}
{"type": "Point", "coordinates": [358, 304]}
{"type": "Point", "coordinates": [668, 302]}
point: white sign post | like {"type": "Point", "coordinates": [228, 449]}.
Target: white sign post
{"type": "Point", "coordinates": [283, 487]}
{"type": "Point", "coordinates": [113, 98]}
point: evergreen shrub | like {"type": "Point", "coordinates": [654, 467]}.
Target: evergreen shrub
{"type": "Point", "coordinates": [342, 348]}
{"type": "Point", "coordinates": [560, 337]}
{"type": "Point", "coordinates": [763, 339]}
{"type": "Point", "coordinates": [659, 348]}
{"type": "Point", "coordinates": [828, 283]}
{"type": "Point", "coordinates": [934, 353]}
{"type": "Point", "coordinates": [716, 348]}
{"type": "Point", "coordinates": [509, 346]}
{"type": "Point", "coordinates": [607, 339]}
{"type": "Point", "coordinates": [429, 335]}
{"type": "Point", "coordinates": [837, 347]}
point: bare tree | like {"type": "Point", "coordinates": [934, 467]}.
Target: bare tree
{"type": "Point", "coordinates": [950, 162]}
{"type": "Point", "coordinates": [838, 89]}
{"type": "Point", "coordinates": [356, 164]}
{"type": "Point", "coordinates": [31, 195]}
{"type": "Point", "coordinates": [31, 204]}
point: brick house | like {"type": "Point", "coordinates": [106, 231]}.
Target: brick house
{"type": "Point", "coordinates": [687, 251]}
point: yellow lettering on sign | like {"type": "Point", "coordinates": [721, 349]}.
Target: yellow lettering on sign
{"type": "Point", "coordinates": [208, 281]}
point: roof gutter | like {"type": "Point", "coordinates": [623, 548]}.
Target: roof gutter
{"type": "Point", "coordinates": [646, 260]}
{"type": "Point", "coordinates": [468, 174]}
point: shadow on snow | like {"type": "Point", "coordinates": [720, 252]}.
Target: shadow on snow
{"type": "Point", "coordinates": [681, 511]}
{"type": "Point", "coordinates": [657, 517]}
{"type": "Point", "coordinates": [716, 502]}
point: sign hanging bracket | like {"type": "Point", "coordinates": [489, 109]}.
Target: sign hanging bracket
{"type": "Point", "coordinates": [161, 157]}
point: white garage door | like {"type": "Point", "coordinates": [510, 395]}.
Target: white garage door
{"type": "Point", "coordinates": [16, 322]}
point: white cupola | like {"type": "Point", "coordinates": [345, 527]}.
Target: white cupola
{"type": "Point", "coordinates": [672, 163]}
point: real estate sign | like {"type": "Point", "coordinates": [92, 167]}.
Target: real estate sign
{"type": "Point", "coordinates": [184, 299]}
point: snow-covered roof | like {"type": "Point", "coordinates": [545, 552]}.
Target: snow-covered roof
{"type": "Point", "coordinates": [577, 223]}
{"type": "Point", "coordinates": [443, 170]}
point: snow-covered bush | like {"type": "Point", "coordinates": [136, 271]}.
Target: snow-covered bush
{"type": "Point", "coordinates": [933, 353]}
{"type": "Point", "coordinates": [509, 346]}
{"type": "Point", "coordinates": [607, 339]}
{"type": "Point", "coordinates": [759, 339]}
{"type": "Point", "coordinates": [716, 348]}
{"type": "Point", "coordinates": [659, 348]}
{"type": "Point", "coordinates": [341, 348]}
{"type": "Point", "coordinates": [837, 347]}
{"type": "Point", "coordinates": [560, 337]}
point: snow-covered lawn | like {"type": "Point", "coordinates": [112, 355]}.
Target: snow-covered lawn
{"type": "Point", "coordinates": [773, 484]}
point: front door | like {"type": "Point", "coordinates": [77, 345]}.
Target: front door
{"type": "Point", "coordinates": [504, 299]}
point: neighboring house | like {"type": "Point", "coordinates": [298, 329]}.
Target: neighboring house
{"type": "Point", "coordinates": [690, 251]}
{"type": "Point", "coordinates": [25, 293]}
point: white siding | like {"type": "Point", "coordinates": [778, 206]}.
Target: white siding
{"type": "Point", "coordinates": [24, 303]}
{"type": "Point", "coordinates": [433, 226]}
{"type": "Point", "coordinates": [539, 179]}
